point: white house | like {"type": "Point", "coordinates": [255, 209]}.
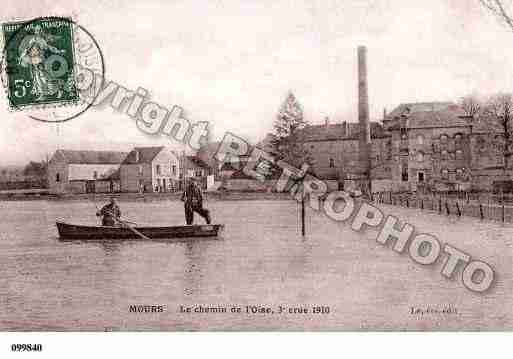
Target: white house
{"type": "Point", "coordinates": [150, 169]}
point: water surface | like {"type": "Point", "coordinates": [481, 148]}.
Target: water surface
{"type": "Point", "coordinates": [261, 260]}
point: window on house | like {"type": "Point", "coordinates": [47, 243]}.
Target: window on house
{"type": "Point", "coordinates": [420, 176]}
{"type": "Point", "coordinates": [332, 163]}
{"type": "Point", "coordinates": [95, 174]}
{"type": "Point", "coordinates": [57, 177]}
{"type": "Point", "coordinates": [481, 144]}
{"type": "Point", "coordinates": [173, 169]}
{"type": "Point", "coordinates": [445, 173]}
{"type": "Point", "coordinates": [404, 134]}
{"type": "Point", "coordinates": [499, 143]}
{"type": "Point", "coordinates": [459, 154]}
{"type": "Point", "coordinates": [404, 172]}
{"type": "Point", "coordinates": [157, 169]}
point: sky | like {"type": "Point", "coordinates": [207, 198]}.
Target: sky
{"type": "Point", "coordinates": [232, 63]}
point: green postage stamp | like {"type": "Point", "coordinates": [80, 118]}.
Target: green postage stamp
{"type": "Point", "coordinates": [38, 61]}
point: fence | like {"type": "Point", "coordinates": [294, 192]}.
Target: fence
{"type": "Point", "coordinates": [479, 205]}
{"type": "Point", "coordinates": [28, 184]}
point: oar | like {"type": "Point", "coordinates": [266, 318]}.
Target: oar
{"type": "Point", "coordinates": [125, 223]}
{"type": "Point", "coordinates": [132, 228]}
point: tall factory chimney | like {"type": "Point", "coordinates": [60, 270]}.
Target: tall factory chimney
{"type": "Point", "coordinates": [363, 95]}
{"type": "Point", "coordinates": [363, 113]}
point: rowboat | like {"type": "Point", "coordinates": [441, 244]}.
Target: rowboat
{"type": "Point", "coordinates": [72, 231]}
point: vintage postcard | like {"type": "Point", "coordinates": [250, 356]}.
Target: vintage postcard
{"type": "Point", "coordinates": [256, 166]}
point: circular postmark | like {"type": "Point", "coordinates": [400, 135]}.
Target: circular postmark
{"type": "Point", "coordinates": [51, 68]}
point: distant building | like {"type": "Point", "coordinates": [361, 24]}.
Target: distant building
{"type": "Point", "coordinates": [430, 146]}
{"type": "Point", "coordinates": [195, 167]}
{"type": "Point", "coordinates": [207, 155]}
{"type": "Point", "coordinates": [335, 155]}
{"type": "Point", "coordinates": [71, 171]}
{"type": "Point", "coordinates": [150, 169]}
{"type": "Point", "coordinates": [437, 146]}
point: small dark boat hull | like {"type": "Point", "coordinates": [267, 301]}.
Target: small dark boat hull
{"type": "Point", "coordinates": [80, 232]}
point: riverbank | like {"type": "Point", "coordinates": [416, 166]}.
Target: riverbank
{"type": "Point", "coordinates": [144, 197]}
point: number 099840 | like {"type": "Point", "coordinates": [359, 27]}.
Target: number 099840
{"type": "Point", "coordinates": [26, 347]}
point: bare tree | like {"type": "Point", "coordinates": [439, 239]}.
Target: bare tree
{"type": "Point", "coordinates": [472, 106]}
{"type": "Point", "coordinates": [501, 9]}
{"type": "Point", "coordinates": [499, 113]}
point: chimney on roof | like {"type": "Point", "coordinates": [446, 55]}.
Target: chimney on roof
{"type": "Point", "coordinates": [137, 156]}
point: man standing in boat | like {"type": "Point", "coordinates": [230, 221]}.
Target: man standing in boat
{"type": "Point", "coordinates": [110, 212]}
{"type": "Point", "coordinates": [193, 202]}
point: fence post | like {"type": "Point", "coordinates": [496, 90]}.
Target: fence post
{"type": "Point", "coordinates": [440, 205]}
{"type": "Point", "coordinates": [407, 203]}
{"type": "Point", "coordinates": [481, 210]}
{"type": "Point", "coordinates": [447, 207]}
{"type": "Point", "coordinates": [421, 203]}
{"type": "Point", "coordinates": [503, 208]}
{"type": "Point", "coordinates": [458, 209]}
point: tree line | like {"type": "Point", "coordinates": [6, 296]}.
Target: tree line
{"type": "Point", "coordinates": [494, 114]}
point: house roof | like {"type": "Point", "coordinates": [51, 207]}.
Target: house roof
{"type": "Point", "coordinates": [92, 157]}
{"type": "Point", "coordinates": [195, 161]}
{"type": "Point", "coordinates": [116, 175]}
{"type": "Point", "coordinates": [146, 155]}
{"type": "Point", "coordinates": [426, 115]}
{"type": "Point", "coordinates": [338, 131]}
{"type": "Point", "coordinates": [415, 107]}
{"type": "Point", "coordinates": [206, 153]}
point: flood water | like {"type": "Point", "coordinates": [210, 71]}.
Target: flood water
{"type": "Point", "coordinates": [260, 260]}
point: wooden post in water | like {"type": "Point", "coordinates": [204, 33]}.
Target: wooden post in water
{"type": "Point", "coordinates": [503, 208]}
{"type": "Point", "coordinates": [303, 215]}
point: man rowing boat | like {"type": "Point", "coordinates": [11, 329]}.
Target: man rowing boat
{"type": "Point", "coordinates": [110, 212]}
{"type": "Point", "coordinates": [193, 202]}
